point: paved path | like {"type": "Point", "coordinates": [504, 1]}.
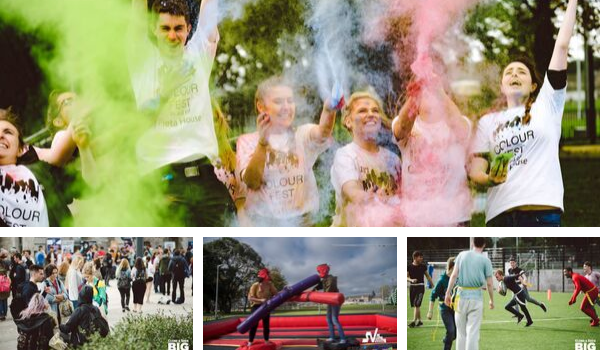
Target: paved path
{"type": "Point", "coordinates": [8, 329]}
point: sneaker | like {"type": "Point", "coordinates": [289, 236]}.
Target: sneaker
{"type": "Point", "coordinates": [330, 340]}
{"type": "Point", "coordinates": [419, 323]}
{"type": "Point", "coordinates": [529, 323]}
{"type": "Point", "coordinates": [543, 306]}
{"type": "Point", "coordinates": [595, 323]}
{"type": "Point", "coordinates": [519, 318]}
{"type": "Point", "coordinates": [249, 344]}
{"type": "Point", "coordinates": [123, 310]}
{"type": "Point", "coordinates": [343, 341]}
{"type": "Point", "coordinates": [127, 308]}
{"type": "Point", "coordinates": [412, 324]}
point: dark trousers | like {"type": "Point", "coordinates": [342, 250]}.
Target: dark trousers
{"type": "Point", "coordinates": [197, 197]}
{"type": "Point", "coordinates": [156, 281]}
{"type": "Point", "coordinates": [510, 307]}
{"type": "Point", "coordinates": [106, 274]}
{"type": "Point", "coordinates": [527, 218]}
{"type": "Point", "coordinates": [266, 328]}
{"type": "Point", "coordinates": [165, 284]}
{"type": "Point", "coordinates": [447, 315]}
{"type": "Point", "coordinates": [125, 295]}
{"type": "Point", "coordinates": [3, 307]}
{"type": "Point", "coordinates": [177, 281]}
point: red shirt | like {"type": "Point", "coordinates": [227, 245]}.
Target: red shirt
{"type": "Point", "coordinates": [581, 284]}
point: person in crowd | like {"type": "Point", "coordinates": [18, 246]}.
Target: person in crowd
{"type": "Point", "coordinates": [107, 265]}
{"type": "Point", "coordinates": [150, 280]}
{"type": "Point", "coordinates": [165, 274]}
{"type": "Point", "coordinates": [156, 256]}
{"type": "Point", "coordinates": [513, 147]}
{"type": "Point", "coordinates": [416, 274]}
{"type": "Point", "coordinates": [590, 295]}
{"type": "Point", "coordinates": [5, 284]}
{"type": "Point", "coordinates": [27, 260]}
{"type": "Point", "coordinates": [35, 325]}
{"type": "Point", "coordinates": [363, 173]}
{"type": "Point", "coordinates": [57, 293]}
{"type": "Point", "coordinates": [139, 275]}
{"type": "Point", "coordinates": [179, 269]}
{"type": "Point", "coordinates": [17, 274]}
{"type": "Point", "coordinates": [63, 269]}
{"type": "Point", "coordinates": [29, 288]}
{"type": "Point", "coordinates": [276, 162]}
{"type": "Point", "coordinates": [40, 256]}
{"type": "Point", "coordinates": [100, 297]}
{"type": "Point", "coordinates": [259, 293]}
{"type": "Point", "coordinates": [86, 320]}
{"type": "Point", "coordinates": [124, 283]}
{"type": "Point", "coordinates": [74, 280]}
{"type": "Point", "coordinates": [328, 284]}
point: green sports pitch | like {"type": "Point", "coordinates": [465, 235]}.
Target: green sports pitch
{"type": "Point", "coordinates": [559, 328]}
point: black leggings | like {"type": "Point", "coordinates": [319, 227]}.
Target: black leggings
{"type": "Point", "coordinates": [125, 295]}
{"type": "Point", "coordinates": [266, 328]}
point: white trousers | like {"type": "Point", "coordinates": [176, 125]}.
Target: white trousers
{"type": "Point", "coordinates": [468, 321]}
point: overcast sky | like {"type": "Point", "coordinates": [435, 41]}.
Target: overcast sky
{"type": "Point", "coordinates": [358, 262]}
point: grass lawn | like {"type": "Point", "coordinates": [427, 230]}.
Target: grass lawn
{"type": "Point", "coordinates": [557, 329]}
{"type": "Point", "coordinates": [346, 309]}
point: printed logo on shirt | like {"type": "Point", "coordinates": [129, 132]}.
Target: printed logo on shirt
{"type": "Point", "coordinates": [19, 200]}
{"type": "Point", "coordinates": [375, 181]}
{"type": "Point", "coordinates": [512, 136]}
{"type": "Point", "coordinates": [277, 159]}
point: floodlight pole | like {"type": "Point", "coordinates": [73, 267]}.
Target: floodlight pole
{"type": "Point", "coordinates": [217, 291]}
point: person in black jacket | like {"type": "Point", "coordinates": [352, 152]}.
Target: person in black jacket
{"type": "Point", "coordinates": [30, 288]}
{"type": "Point", "coordinates": [179, 269]}
{"type": "Point", "coordinates": [35, 326]}
{"type": "Point", "coordinates": [82, 322]}
{"type": "Point", "coordinates": [107, 264]}
{"type": "Point", "coordinates": [17, 274]}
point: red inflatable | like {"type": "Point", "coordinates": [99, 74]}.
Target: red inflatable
{"type": "Point", "coordinates": [320, 298]}
{"type": "Point", "coordinates": [261, 345]}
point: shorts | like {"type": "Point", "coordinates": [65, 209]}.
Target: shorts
{"type": "Point", "coordinates": [416, 295]}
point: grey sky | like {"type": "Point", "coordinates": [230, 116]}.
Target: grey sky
{"type": "Point", "coordinates": [358, 267]}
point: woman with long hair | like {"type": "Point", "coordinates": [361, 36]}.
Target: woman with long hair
{"type": "Point", "coordinates": [63, 269]}
{"type": "Point", "coordinates": [35, 325]}
{"type": "Point", "coordinates": [516, 150]}
{"type": "Point", "coordinates": [58, 293]}
{"type": "Point", "coordinates": [74, 280]}
{"type": "Point", "coordinates": [123, 275]}
{"type": "Point", "coordinates": [100, 297]}
{"type": "Point", "coordinates": [149, 281]}
{"type": "Point", "coordinates": [139, 276]}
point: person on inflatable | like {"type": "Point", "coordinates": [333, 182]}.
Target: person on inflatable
{"type": "Point", "coordinates": [260, 292]}
{"type": "Point", "coordinates": [328, 283]}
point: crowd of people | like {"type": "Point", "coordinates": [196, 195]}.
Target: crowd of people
{"type": "Point", "coordinates": [61, 296]}
{"type": "Point", "coordinates": [512, 152]}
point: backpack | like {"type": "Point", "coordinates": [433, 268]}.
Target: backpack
{"type": "Point", "coordinates": [140, 275]}
{"type": "Point", "coordinates": [124, 280]}
{"type": "Point", "coordinates": [179, 269]}
{"type": "Point", "coordinates": [4, 284]}
{"type": "Point", "coordinates": [17, 305]}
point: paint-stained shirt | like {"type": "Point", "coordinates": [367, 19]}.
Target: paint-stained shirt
{"type": "Point", "coordinates": [260, 291]}
{"type": "Point", "coordinates": [289, 187]}
{"type": "Point", "coordinates": [473, 271]}
{"type": "Point", "coordinates": [378, 172]}
{"type": "Point", "coordinates": [22, 200]}
{"type": "Point", "coordinates": [534, 175]}
{"type": "Point", "coordinates": [183, 131]}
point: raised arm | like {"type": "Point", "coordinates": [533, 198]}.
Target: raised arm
{"type": "Point", "coordinates": [61, 150]}
{"type": "Point", "coordinates": [561, 47]}
{"type": "Point", "coordinates": [326, 123]}
{"type": "Point", "coordinates": [405, 120]}
{"type": "Point", "coordinates": [208, 19]}
{"type": "Point", "coordinates": [253, 174]}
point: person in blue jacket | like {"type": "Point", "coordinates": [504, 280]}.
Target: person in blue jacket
{"type": "Point", "coordinates": [446, 313]}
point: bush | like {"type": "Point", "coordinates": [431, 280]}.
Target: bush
{"type": "Point", "coordinates": [146, 332]}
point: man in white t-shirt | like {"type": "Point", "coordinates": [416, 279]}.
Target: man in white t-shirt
{"type": "Point", "coordinates": [433, 137]}
{"type": "Point", "coordinates": [171, 84]}
{"type": "Point", "coordinates": [276, 162]}
{"type": "Point", "coordinates": [365, 176]}
{"type": "Point", "coordinates": [592, 276]}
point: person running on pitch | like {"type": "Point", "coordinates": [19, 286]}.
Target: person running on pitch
{"type": "Point", "coordinates": [415, 275]}
{"type": "Point", "coordinates": [592, 276]}
{"type": "Point", "coordinates": [516, 270]}
{"type": "Point", "coordinates": [512, 283]}
{"type": "Point", "coordinates": [590, 291]}
{"type": "Point", "coordinates": [446, 313]}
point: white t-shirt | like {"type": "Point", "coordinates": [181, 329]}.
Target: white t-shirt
{"type": "Point", "coordinates": [353, 163]}
{"type": "Point", "coordinates": [534, 176]}
{"type": "Point", "coordinates": [22, 200]}
{"type": "Point", "coordinates": [289, 188]}
{"type": "Point", "coordinates": [435, 189]}
{"type": "Point", "coordinates": [184, 130]}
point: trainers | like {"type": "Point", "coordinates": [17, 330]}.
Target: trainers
{"type": "Point", "coordinates": [343, 341]}
{"type": "Point", "coordinates": [543, 306]}
{"type": "Point", "coordinates": [529, 323]}
{"type": "Point", "coordinates": [419, 323]}
{"type": "Point", "coordinates": [596, 323]}
{"type": "Point", "coordinates": [127, 308]}
{"type": "Point", "coordinates": [329, 339]}
{"type": "Point", "coordinates": [412, 324]}
{"type": "Point", "coordinates": [519, 318]}
{"type": "Point", "coordinates": [249, 344]}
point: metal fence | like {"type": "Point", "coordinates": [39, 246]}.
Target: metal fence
{"type": "Point", "coordinates": [542, 265]}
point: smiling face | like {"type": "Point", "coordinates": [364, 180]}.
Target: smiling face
{"type": "Point", "coordinates": [278, 103]}
{"type": "Point", "coordinates": [9, 143]}
{"type": "Point", "coordinates": [171, 32]}
{"type": "Point", "coordinates": [364, 119]}
{"type": "Point", "coordinates": [517, 81]}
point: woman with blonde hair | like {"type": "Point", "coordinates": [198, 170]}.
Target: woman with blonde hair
{"type": "Point", "coordinates": [63, 269]}
{"type": "Point", "coordinates": [35, 325]}
{"type": "Point", "coordinates": [74, 280]}
{"type": "Point", "coordinates": [364, 173]}
{"type": "Point", "coordinates": [123, 275]}
{"type": "Point", "coordinates": [100, 298]}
